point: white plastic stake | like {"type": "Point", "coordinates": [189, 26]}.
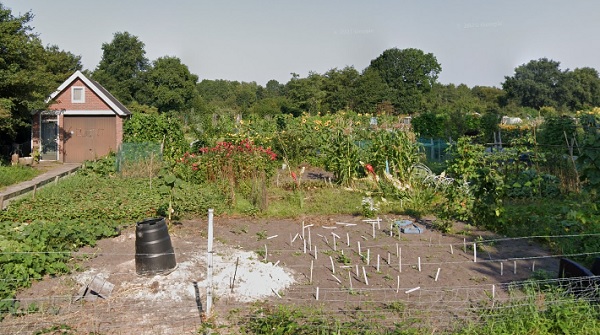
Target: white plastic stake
{"type": "Point", "coordinates": [388, 258]}
{"type": "Point", "coordinates": [400, 260]}
{"type": "Point", "coordinates": [398, 285]}
{"type": "Point", "coordinates": [419, 263]}
{"type": "Point", "coordinates": [437, 274]}
{"type": "Point", "coordinates": [348, 239]}
{"type": "Point", "coordinates": [311, 271]}
{"type": "Point", "coordinates": [365, 275]}
{"type": "Point", "coordinates": [266, 253]}
{"type": "Point", "coordinates": [350, 279]}
{"type": "Point", "coordinates": [368, 256]}
{"type": "Point", "coordinates": [336, 278]}
{"type": "Point", "coordinates": [412, 290]}
{"type": "Point", "coordinates": [317, 295]}
{"type": "Point", "coordinates": [332, 265]}
{"type": "Point", "coordinates": [209, 267]}
{"type": "Point", "coordinates": [377, 262]}
{"type": "Point", "coordinates": [359, 251]}
{"type": "Point", "coordinates": [451, 250]}
{"type": "Point", "coordinates": [501, 269]}
{"type": "Point", "coordinates": [474, 252]}
{"type": "Point", "coordinates": [316, 252]}
{"type": "Point", "coordinates": [515, 267]}
{"type": "Point", "coordinates": [373, 224]}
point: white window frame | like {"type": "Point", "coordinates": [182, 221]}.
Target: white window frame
{"type": "Point", "coordinates": [80, 101]}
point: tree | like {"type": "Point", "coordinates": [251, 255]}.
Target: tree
{"type": "Point", "coordinates": [536, 84]}
{"type": "Point", "coordinates": [339, 87]}
{"type": "Point", "coordinates": [28, 74]}
{"type": "Point", "coordinates": [306, 93]}
{"type": "Point", "coordinates": [170, 86]}
{"type": "Point", "coordinates": [122, 66]}
{"type": "Point", "coordinates": [370, 91]}
{"type": "Point", "coordinates": [410, 73]}
{"type": "Point", "coordinates": [583, 86]}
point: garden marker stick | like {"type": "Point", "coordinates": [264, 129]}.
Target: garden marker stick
{"type": "Point", "coordinates": [398, 285]}
{"type": "Point", "coordinates": [368, 256]}
{"type": "Point", "coordinates": [437, 274]}
{"type": "Point", "coordinates": [397, 250]}
{"type": "Point", "coordinates": [357, 274]}
{"type": "Point", "coordinates": [350, 279]}
{"type": "Point", "coordinates": [493, 291]}
{"type": "Point", "coordinates": [334, 247]}
{"type": "Point", "coordinates": [501, 268]}
{"type": "Point", "coordinates": [348, 239]}
{"type": "Point", "coordinates": [412, 290]}
{"type": "Point", "coordinates": [332, 265]}
{"type": "Point", "coordinates": [270, 237]}
{"type": "Point", "coordinates": [373, 224]}
{"type": "Point", "coordinates": [311, 271]}
{"type": "Point", "coordinates": [359, 251]}
{"type": "Point", "coordinates": [389, 257]}
{"type": "Point", "coordinates": [464, 245]}
{"type": "Point", "coordinates": [451, 250]}
{"type": "Point", "coordinates": [365, 275]}
{"type": "Point", "coordinates": [317, 295]}
{"type": "Point", "coordinates": [304, 245]}
{"type": "Point", "coordinates": [400, 260]}
{"type": "Point", "coordinates": [316, 252]}
{"type": "Point", "coordinates": [515, 267]}
{"type": "Point", "coordinates": [309, 240]}
{"type": "Point", "coordinates": [336, 278]}
{"type": "Point", "coordinates": [474, 252]}
{"type": "Point", "coordinates": [419, 263]}
{"type": "Point", "coordinates": [377, 262]}
{"type": "Point", "coordinates": [295, 237]}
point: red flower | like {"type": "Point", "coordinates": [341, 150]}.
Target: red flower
{"type": "Point", "coordinates": [294, 175]}
{"type": "Point", "coordinates": [370, 169]}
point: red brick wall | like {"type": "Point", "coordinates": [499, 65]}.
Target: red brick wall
{"type": "Point", "coordinates": [119, 131]}
{"type": "Point", "coordinates": [92, 101]}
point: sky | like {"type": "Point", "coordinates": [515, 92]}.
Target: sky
{"type": "Point", "coordinates": [477, 42]}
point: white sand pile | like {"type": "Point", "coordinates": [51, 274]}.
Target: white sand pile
{"type": "Point", "coordinates": [254, 279]}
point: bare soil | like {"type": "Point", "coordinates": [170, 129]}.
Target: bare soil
{"type": "Point", "coordinates": [175, 303]}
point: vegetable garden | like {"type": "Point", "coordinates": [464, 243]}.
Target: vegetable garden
{"type": "Point", "coordinates": [288, 167]}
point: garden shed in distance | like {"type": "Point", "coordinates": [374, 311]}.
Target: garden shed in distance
{"type": "Point", "coordinates": [83, 122]}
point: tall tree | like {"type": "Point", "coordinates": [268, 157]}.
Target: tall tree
{"type": "Point", "coordinates": [339, 87]}
{"type": "Point", "coordinates": [583, 88]}
{"type": "Point", "coordinates": [371, 91]}
{"type": "Point", "coordinates": [410, 73]}
{"type": "Point", "coordinates": [122, 65]}
{"type": "Point", "coordinates": [306, 93]}
{"type": "Point", "coordinates": [170, 86]}
{"type": "Point", "coordinates": [28, 74]}
{"type": "Point", "coordinates": [536, 84]}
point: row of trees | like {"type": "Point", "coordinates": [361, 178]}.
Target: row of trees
{"type": "Point", "coordinates": [398, 82]}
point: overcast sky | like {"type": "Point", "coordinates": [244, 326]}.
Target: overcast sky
{"type": "Point", "coordinates": [477, 42]}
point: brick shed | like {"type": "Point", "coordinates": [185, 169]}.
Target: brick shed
{"type": "Point", "coordinates": [83, 122]}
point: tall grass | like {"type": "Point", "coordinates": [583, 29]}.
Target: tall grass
{"type": "Point", "coordinates": [10, 175]}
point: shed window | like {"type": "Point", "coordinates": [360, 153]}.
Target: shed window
{"type": "Point", "coordinates": [77, 94]}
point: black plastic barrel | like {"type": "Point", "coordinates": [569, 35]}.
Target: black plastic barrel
{"type": "Point", "coordinates": [153, 249]}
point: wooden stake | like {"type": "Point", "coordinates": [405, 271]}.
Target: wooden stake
{"type": "Point", "coordinates": [451, 250]}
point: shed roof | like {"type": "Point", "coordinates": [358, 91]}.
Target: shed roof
{"type": "Point", "coordinates": [98, 89]}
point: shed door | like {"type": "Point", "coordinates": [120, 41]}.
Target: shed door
{"type": "Point", "coordinates": [88, 137]}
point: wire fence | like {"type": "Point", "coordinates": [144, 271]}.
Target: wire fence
{"type": "Point", "coordinates": [129, 310]}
